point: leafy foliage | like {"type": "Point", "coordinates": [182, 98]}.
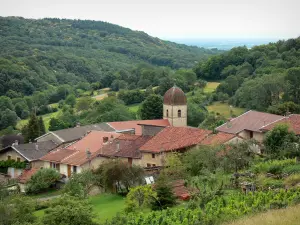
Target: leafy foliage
{"type": "Point", "coordinates": [151, 108]}
{"type": "Point", "coordinates": [42, 180]}
{"type": "Point", "coordinates": [12, 163]}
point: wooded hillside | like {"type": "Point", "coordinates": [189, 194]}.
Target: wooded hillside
{"type": "Point", "coordinates": [38, 53]}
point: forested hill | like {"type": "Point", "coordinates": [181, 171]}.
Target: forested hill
{"type": "Point", "coordinates": [265, 77]}
{"type": "Point", "coordinates": [36, 53]}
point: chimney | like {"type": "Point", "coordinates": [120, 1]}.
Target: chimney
{"type": "Point", "coordinates": [15, 143]}
{"type": "Point", "coordinates": [117, 145]}
{"type": "Point", "coordinates": [36, 147]}
{"type": "Point", "coordinates": [78, 124]}
{"type": "Point", "coordinates": [105, 139]}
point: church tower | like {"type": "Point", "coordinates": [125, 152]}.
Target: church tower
{"type": "Point", "coordinates": [175, 107]}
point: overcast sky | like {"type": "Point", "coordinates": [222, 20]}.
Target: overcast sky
{"type": "Point", "coordinates": [175, 19]}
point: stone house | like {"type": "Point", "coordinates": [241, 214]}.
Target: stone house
{"type": "Point", "coordinates": [30, 153]}
{"type": "Point", "coordinates": [249, 125]}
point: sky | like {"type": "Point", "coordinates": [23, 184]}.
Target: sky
{"type": "Point", "coordinates": [185, 19]}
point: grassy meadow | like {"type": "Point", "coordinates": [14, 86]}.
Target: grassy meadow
{"type": "Point", "coordinates": [288, 216]}
{"type": "Point", "coordinates": [211, 87]}
{"type": "Point", "coordinates": [224, 109]}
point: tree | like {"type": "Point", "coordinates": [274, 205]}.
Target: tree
{"type": "Point", "coordinates": [79, 184]}
{"type": "Point", "coordinates": [17, 209]}
{"type": "Point", "coordinates": [139, 197]}
{"type": "Point", "coordinates": [42, 129]}
{"type": "Point", "coordinates": [284, 108]}
{"type": "Point", "coordinates": [83, 103]}
{"type": "Point", "coordinates": [293, 79]}
{"type": "Point", "coordinates": [5, 103]}
{"type": "Point", "coordinates": [165, 196]}
{"type": "Point", "coordinates": [32, 130]}
{"type": "Point", "coordinates": [195, 115]}
{"type": "Point", "coordinates": [8, 118]}
{"type": "Point", "coordinates": [71, 100]}
{"type": "Point", "coordinates": [56, 124]}
{"type": "Point", "coordinates": [151, 108]}
{"type": "Point", "coordinates": [116, 175]}
{"type": "Point", "coordinates": [22, 109]}
{"type": "Point", "coordinates": [42, 180]}
{"type": "Point", "coordinates": [276, 139]}
{"type": "Point", "coordinates": [69, 210]}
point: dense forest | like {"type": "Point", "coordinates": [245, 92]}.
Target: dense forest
{"type": "Point", "coordinates": [36, 54]}
{"type": "Point", "coordinates": [265, 77]}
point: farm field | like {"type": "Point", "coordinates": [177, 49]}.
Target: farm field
{"type": "Point", "coordinates": [288, 216]}
{"type": "Point", "coordinates": [211, 87]}
{"type": "Point", "coordinates": [224, 109]}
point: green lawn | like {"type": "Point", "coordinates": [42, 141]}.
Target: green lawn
{"type": "Point", "coordinates": [134, 107]}
{"type": "Point", "coordinates": [224, 109]}
{"type": "Point", "coordinates": [107, 206]}
{"type": "Point", "coordinates": [211, 87]}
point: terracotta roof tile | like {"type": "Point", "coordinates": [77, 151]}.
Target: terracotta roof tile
{"type": "Point", "coordinates": [125, 146]}
{"type": "Point", "coordinates": [293, 121]}
{"type": "Point", "coordinates": [218, 139]}
{"type": "Point", "coordinates": [251, 120]}
{"type": "Point", "coordinates": [75, 154]}
{"type": "Point", "coordinates": [175, 138]}
{"type": "Point", "coordinates": [125, 125]}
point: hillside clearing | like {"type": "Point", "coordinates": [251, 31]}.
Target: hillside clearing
{"type": "Point", "coordinates": [288, 216]}
{"type": "Point", "coordinates": [224, 109]}
{"type": "Point", "coordinates": [211, 87]}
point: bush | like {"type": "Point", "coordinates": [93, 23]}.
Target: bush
{"type": "Point", "coordinates": [292, 180]}
{"type": "Point", "coordinates": [292, 169]}
{"type": "Point", "coordinates": [42, 180]}
{"type": "Point", "coordinates": [263, 167]}
{"type": "Point", "coordinates": [275, 169]}
{"type": "Point", "coordinates": [69, 210]}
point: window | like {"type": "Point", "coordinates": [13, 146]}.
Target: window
{"type": "Point", "coordinates": [179, 113]}
{"type": "Point", "coordinates": [9, 157]}
{"type": "Point", "coordinates": [18, 159]}
{"type": "Point", "coordinates": [148, 165]}
{"type": "Point", "coordinates": [153, 156]}
{"type": "Point", "coordinates": [74, 169]}
{"type": "Point", "coordinates": [153, 165]}
{"type": "Point", "coordinates": [167, 113]}
{"type": "Point", "coordinates": [54, 166]}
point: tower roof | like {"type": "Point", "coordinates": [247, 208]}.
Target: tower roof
{"type": "Point", "coordinates": [174, 96]}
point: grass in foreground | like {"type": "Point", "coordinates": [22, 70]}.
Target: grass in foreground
{"type": "Point", "coordinates": [211, 87]}
{"type": "Point", "coordinates": [107, 206]}
{"type": "Point", "coordinates": [288, 216]}
{"type": "Point", "coordinates": [224, 109]}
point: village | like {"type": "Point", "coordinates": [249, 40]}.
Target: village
{"type": "Point", "coordinates": [144, 143]}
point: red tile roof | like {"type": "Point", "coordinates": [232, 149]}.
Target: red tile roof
{"type": "Point", "coordinates": [135, 124]}
{"type": "Point", "coordinates": [75, 154]}
{"type": "Point", "coordinates": [293, 121]}
{"type": "Point", "coordinates": [218, 139]}
{"type": "Point", "coordinates": [175, 138]}
{"type": "Point", "coordinates": [125, 146]}
{"type": "Point", "coordinates": [251, 120]}
{"type": "Point", "coordinates": [26, 175]}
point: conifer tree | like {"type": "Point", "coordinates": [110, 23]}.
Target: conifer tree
{"type": "Point", "coordinates": [31, 131]}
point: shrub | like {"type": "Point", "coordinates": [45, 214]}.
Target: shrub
{"type": "Point", "coordinates": [275, 169]}
{"type": "Point", "coordinates": [42, 180]}
{"type": "Point", "coordinates": [292, 180]}
{"type": "Point", "coordinates": [263, 167]}
{"type": "Point", "coordinates": [292, 169]}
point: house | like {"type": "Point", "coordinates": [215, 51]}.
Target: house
{"type": "Point", "coordinates": [221, 138]}
{"type": "Point", "coordinates": [72, 134]}
{"type": "Point", "coordinates": [79, 155]}
{"type": "Point", "coordinates": [249, 124]}
{"type": "Point", "coordinates": [170, 139]}
{"type": "Point", "coordinates": [293, 122]}
{"type": "Point", "coordinates": [125, 147]}
{"type": "Point", "coordinates": [25, 177]}
{"type": "Point", "coordinates": [30, 153]}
